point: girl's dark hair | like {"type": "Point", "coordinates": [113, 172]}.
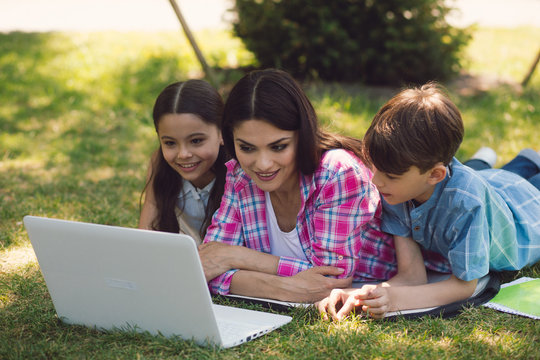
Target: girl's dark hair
{"type": "Point", "coordinates": [190, 97]}
{"type": "Point", "coordinates": [418, 127]}
{"type": "Point", "coordinates": [275, 97]}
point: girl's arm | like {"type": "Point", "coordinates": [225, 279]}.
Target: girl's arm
{"type": "Point", "coordinates": [149, 208]}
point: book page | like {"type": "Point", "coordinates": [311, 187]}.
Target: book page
{"type": "Point", "coordinates": [519, 297]}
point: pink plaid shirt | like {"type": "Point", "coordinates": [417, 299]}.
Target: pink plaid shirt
{"type": "Point", "coordinates": [338, 223]}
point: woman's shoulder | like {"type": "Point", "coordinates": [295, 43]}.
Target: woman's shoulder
{"type": "Point", "coordinates": [236, 175]}
{"type": "Point", "coordinates": [337, 160]}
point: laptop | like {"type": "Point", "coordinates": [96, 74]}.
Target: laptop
{"type": "Point", "coordinates": [115, 278]}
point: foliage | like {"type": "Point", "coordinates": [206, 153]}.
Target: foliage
{"type": "Point", "coordinates": [376, 42]}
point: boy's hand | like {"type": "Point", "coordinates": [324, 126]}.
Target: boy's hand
{"type": "Point", "coordinates": [373, 300]}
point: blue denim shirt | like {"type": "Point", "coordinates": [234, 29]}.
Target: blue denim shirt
{"type": "Point", "coordinates": [479, 220]}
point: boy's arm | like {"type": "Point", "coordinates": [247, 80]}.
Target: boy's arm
{"type": "Point", "coordinates": [410, 263]}
{"type": "Point", "coordinates": [378, 300]}
{"type": "Point", "coordinates": [411, 271]}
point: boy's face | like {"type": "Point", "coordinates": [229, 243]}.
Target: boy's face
{"type": "Point", "coordinates": [411, 185]}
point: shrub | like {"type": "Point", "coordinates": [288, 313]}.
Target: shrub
{"type": "Point", "coordinates": [376, 42]}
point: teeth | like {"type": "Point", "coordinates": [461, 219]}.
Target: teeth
{"type": "Point", "coordinates": [187, 166]}
{"type": "Point", "coordinates": [266, 174]}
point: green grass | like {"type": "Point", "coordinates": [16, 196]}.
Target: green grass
{"type": "Point", "coordinates": [75, 137]}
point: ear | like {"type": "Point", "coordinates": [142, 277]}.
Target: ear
{"type": "Point", "coordinates": [221, 143]}
{"type": "Point", "coordinates": [437, 174]}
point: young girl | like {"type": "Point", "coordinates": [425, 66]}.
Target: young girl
{"type": "Point", "coordinates": [186, 174]}
{"type": "Point", "coordinates": [298, 205]}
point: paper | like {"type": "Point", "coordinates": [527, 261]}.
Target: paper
{"type": "Point", "coordinates": [519, 297]}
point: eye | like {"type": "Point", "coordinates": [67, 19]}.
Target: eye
{"type": "Point", "coordinates": [197, 141]}
{"type": "Point", "coordinates": [245, 148]}
{"type": "Point", "coordinates": [279, 147]}
{"type": "Point", "coordinates": [392, 177]}
{"type": "Point", "coordinates": [169, 143]}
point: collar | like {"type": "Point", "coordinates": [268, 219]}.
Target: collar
{"type": "Point", "coordinates": [188, 188]}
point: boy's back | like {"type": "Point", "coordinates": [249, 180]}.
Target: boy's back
{"type": "Point", "coordinates": [479, 220]}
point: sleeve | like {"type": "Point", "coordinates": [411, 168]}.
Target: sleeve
{"type": "Point", "coordinates": [226, 227]}
{"type": "Point", "coordinates": [344, 207]}
{"type": "Point", "coordinates": [469, 252]}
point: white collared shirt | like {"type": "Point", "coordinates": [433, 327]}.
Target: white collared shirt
{"type": "Point", "coordinates": [191, 204]}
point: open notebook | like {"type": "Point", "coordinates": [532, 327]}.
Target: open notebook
{"type": "Point", "coordinates": [487, 288]}
{"type": "Point", "coordinates": [519, 297]}
{"type": "Point", "coordinates": [109, 277]}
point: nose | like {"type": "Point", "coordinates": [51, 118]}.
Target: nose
{"type": "Point", "coordinates": [184, 152]}
{"type": "Point", "coordinates": [376, 179]}
{"type": "Point", "coordinates": [264, 162]}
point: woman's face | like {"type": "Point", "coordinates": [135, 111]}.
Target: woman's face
{"type": "Point", "coordinates": [190, 146]}
{"type": "Point", "coordinates": [267, 154]}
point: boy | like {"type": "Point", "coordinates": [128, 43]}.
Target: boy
{"type": "Point", "coordinates": [478, 220]}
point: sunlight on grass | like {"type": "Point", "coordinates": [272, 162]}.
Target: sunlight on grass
{"type": "Point", "coordinates": [14, 258]}
{"type": "Point", "coordinates": [506, 53]}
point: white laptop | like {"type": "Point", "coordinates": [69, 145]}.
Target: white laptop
{"type": "Point", "coordinates": [110, 277]}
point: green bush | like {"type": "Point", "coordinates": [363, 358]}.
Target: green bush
{"type": "Point", "coordinates": [376, 42]}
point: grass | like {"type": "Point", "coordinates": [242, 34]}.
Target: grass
{"type": "Point", "coordinates": [75, 137]}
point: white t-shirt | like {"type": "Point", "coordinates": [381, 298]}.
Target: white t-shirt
{"type": "Point", "coordinates": [282, 243]}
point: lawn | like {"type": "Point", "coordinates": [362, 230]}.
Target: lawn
{"type": "Point", "coordinates": [75, 137]}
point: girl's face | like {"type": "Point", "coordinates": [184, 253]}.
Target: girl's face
{"type": "Point", "coordinates": [190, 146]}
{"type": "Point", "coordinates": [267, 154]}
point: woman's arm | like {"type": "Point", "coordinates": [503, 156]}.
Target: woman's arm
{"type": "Point", "coordinates": [307, 286]}
{"type": "Point", "coordinates": [218, 258]}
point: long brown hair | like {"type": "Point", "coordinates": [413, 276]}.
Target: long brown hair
{"type": "Point", "coordinates": [190, 97]}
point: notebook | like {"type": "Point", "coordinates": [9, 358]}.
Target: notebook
{"type": "Point", "coordinates": [486, 288]}
{"type": "Point", "coordinates": [519, 297]}
{"type": "Point", "coordinates": [114, 278]}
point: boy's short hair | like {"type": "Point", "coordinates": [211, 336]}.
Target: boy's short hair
{"type": "Point", "coordinates": [418, 127]}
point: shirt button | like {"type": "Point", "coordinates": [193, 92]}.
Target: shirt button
{"type": "Point", "coordinates": [416, 228]}
{"type": "Point", "coordinates": [340, 257]}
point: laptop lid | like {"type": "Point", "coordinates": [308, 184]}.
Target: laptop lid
{"type": "Point", "coordinates": [111, 277]}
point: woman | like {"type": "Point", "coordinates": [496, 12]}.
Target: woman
{"type": "Point", "coordinates": [298, 203]}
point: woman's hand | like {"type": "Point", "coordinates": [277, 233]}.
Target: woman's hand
{"type": "Point", "coordinates": [313, 284]}
{"type": "Point", "coordinates": [216, 258]}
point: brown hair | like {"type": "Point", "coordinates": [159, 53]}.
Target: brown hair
{"type": "Point", "coordinates": [194, 97]}
{"type": "Point", "coordinates": [418, 127]}
{"type": "Point", "coordinates": [274, 96]}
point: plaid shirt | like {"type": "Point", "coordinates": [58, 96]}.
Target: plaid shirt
{"type": "Point", "coordinates": [338, 223]}
{"type": "Point", "coordinates": [479, 220]}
